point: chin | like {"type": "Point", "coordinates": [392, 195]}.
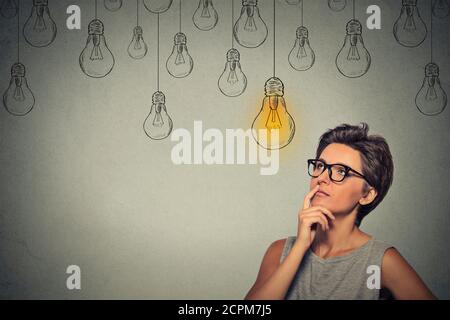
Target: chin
{"type": "Point", "coordinates": [322, 201]}
{"type": "Point", "coordinates": [319, 201]}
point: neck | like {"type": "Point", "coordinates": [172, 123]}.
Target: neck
{"type": "Point", "coordinates": [339, 236]}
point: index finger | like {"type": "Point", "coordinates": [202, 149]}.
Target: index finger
{"type": "Point", "coordinates": [308, 197]}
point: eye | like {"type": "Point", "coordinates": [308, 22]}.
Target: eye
{"type": "Point", "coordinates": [341, 172]}
{"type": "Point", "coordinates": [319, 165]}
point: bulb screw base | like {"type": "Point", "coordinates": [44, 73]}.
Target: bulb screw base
{"type": "Point", "coordinates": [180, 38]}
{"type": "Point", "coordinates": [18, 70]}
{"type": "Point", "coordinates": [233, 55]}
{"type": "Point", "coordinates": [158, 97]}
{"type": "Point", "coordinates": [274, 87]}
{"type": "Point", "coordinates": [249, 2]}
{"type": "Point", "coordinates": [302, 32]}
{"type": "Point", "coordinates": [138, 31]}
{"type": "Point", "coordinates": [354, 27]}
{"type": "Point", "coordinates": [409, 2]}
{"type": "Point", "coordinates": [40, 2]}
{"type": "Point", "coordinates": [96, 27]}
{"type": "Point", "coordinates": [432, 70]}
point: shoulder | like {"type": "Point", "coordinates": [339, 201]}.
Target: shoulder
{"type": "Point", "coordinates": [392, 259]}
{"type": "Point", "coordinates": [269, 263]}
{"type": "Point", "coordinates": [399, 277]}
{"type": "Point", "coordinates": [272, 257]}
{"type": "Point", "coordinates": [278, 243]}
{"type": "Point", "coordinates": [275, 249]}
{"type": "Point", "coordinates": [393, 263]}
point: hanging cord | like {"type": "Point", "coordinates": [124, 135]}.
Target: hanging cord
{"type": "Point", "coordinates": [301, 12]}
{"type": "Point", "coordinates": [137, 12]}
{"type": "Point", "coordinates": [95, 9]}
{"type": "Point", "coordinates": [157, 52]}
{"type": "Point", "coordinates": [180, 15]}
{"type": "Point", "coordinates": [274, 39]}
{"type": "Point", "coordinates": [353, 9]}
{"type": "Point", "coordinates": [431, 31]}
{"type": "Point", "coordinates": [18, 30]}
{"type": "Point", "coordinates": [232, 23]}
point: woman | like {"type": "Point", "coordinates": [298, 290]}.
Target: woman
{"type": "Point", "coordinates": [331, 258]}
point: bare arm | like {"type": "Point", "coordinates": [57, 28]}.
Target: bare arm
{"type": "Point", "coordinates": [401, 279]}
{"type": "Point", "coordinates": [274, 279]}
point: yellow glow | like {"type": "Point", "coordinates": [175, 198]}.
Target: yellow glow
{"type": "Point", "coordinates": [274, 116]}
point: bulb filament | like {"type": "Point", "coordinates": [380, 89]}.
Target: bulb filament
{"type": "Point", "coordinates": [205, 11]}
{"type": "Point", "coordinates": [18, 91]}
{"type": "Point", "coordinates": [301, 53]}
{"type": "Point", "coordinates": [431, 91]}
{"type": "Point", "coordinates": [410, 24]}
{"type": "Point", "coordinates": [273, 120]}
{"type": "Point", "coordinates": [353, 53]}
{"type": "Point", "coordinates": [158, 120]}
{"type": "Point", "coordinates": [137, 44]}
{"type": "Point", "coordinates": [96, 53]}
{"type": "Point", "coordinates": [250, 23]}
{"type": "Point", "coordinates": [39, 24]}
{"type": "Point", "coordinates": [179, 59]}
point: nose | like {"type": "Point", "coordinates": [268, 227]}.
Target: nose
{"type": "Point", "coordinates": [324, 177]}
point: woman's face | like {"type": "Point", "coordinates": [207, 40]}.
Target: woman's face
{"type": "Point", "coordinates": [343, 196]}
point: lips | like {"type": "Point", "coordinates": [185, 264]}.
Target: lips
{"type": "Point", "coordinates": [322, 193]}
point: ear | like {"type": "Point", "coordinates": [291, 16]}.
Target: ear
{"type": "Point", "coordinates": [369, 196]}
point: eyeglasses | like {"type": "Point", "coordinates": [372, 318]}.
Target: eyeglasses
{"type": "Point", "coordinates": [336, 171]}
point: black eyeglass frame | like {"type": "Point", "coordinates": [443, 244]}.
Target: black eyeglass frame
{"type": "Point", "coordinates": [327, 166]}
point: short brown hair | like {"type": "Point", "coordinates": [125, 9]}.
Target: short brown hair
{"type": "Point", "coordinates": [376, 159]}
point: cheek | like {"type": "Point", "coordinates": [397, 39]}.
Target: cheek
{"type": "Point", "coordinates": [312, 183]}
{"type": "Point", "coordinates": [343, 199]}
{"type": "Point", "coordinates": [346, 199]}
{"type": "Point", "coordinates": [349, 197]}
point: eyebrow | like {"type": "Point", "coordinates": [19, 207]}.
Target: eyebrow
{"type": "Point", "coordinates": [321, 159]}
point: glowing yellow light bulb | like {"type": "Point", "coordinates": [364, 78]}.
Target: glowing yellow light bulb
{"type": "Point", "coordinates": [273, 127]}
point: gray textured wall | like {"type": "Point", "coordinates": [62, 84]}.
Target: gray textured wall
{"type": "Point", "coordinates": [82, 184]}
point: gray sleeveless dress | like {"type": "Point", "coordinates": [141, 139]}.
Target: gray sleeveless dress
{"type": "Point", "coordinates": [336, 278]}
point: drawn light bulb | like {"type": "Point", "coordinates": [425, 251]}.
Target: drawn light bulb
{"type": "Point", "coordinates": [233, 81]}
{"type": "Point", "coordinates": [205, 17]}
{"type": "Point", "coordinates": [273, 116]}
{"type": "Point", "coordinates": [441, 8]}
{"type": "Point", "coordinates": [180, 63]}
{"type": "Point", "coordinates": [409, 29]}
{"type": "Point", "coordinates": [353, 60]}
{"type": "Point", "coordinates": [301, 57]}
{"type": "Point", "coordinates": [113, 5]}
{"type": "Point", "coordinates": [137, 48]}
{"type": "Point", "coordinates": [158, 125]}
{"type": "Point", "coordinates": [431, 98]}
{"type": "Point", "coordinates": [8, 8]}
{"type": "Point", "coordinates": [96, 60]}
{"type": "Point", "coordinates": [18, 98]}
{"type": "Point", "coordinates": [337, 5]}
{"type": "Point", "coordinates": [157, 6]}
{"type": "Point", "coordinates": [250, 30]}
{"type": "Point", "coordinates": [40, 29]}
